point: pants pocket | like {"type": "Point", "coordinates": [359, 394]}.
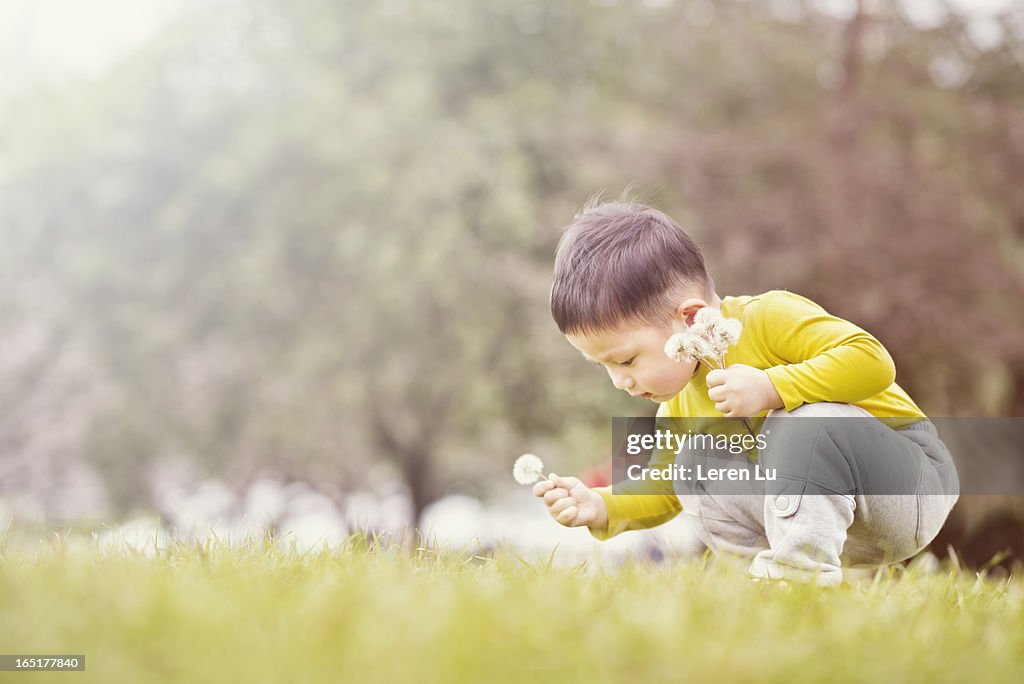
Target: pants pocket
{"type": "Point", "coordinates": [784, 498]}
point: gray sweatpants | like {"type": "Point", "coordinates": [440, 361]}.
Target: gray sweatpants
{"type": "Point", "coordinates": [824, 511]}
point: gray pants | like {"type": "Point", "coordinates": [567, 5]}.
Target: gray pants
{"type": "Point", "coordinates": [824, 510]}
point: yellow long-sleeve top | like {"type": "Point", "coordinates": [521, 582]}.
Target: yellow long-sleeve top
{"type": "Point", "coordinates": [809, 355]}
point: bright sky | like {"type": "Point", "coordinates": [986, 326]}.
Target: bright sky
{"type": "Point", "coordinates": [44, 39]}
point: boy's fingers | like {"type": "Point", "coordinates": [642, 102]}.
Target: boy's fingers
{"type": "Point", "coordinates": [567, 482]}
{"type": "Point", "coordinates": [562, 504]}
{"type": "Point", "coordinates": [554, 495]}
{"type": "Point", "coordinates": [542, 486]}
{"type": "Point", "coordinates": [585, 516]}
{"type": "Point", "coordinates": [716, 393]}
{"type": "Point", "coordinates": [579, 491]}
{"type": "Point", "coordinates": [567, 516]}
{"type": "Point", "coordinates": [715, 377]}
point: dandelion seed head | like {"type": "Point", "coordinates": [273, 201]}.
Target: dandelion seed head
{"type": "Point", "coordinates": [707, 339]}
{"type": "Point", "coordinates": [732, 328]}
{"type": "Point", "coordinates": [676, 347]}
{"type": "Point", "coordinates": [706, 316]}
{"type": "Point", "coordinates": [527, 469]}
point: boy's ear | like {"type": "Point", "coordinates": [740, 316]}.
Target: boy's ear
{"type": "Point", "coordinates": [688, 308]}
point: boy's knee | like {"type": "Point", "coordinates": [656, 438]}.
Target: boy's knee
{"type": "Point", "coordinates": [812, 455]}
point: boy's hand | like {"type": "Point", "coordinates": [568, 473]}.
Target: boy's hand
{"type": "Point", "coordinates": [742, 391]}
{"type": "Point", "coordinates": [571, 502]}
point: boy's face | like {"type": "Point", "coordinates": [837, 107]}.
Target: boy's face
{"type": "Point", "coordinates": [635, 358]}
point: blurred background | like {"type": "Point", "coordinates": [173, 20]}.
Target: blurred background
{"type": "Point", "coordinates": [285, 264]}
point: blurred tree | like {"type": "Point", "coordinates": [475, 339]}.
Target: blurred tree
{"type": "Point", "coordinates": [315, 235]}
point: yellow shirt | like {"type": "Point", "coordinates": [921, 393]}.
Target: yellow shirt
{"type": "Point", "coordinates": [809, 355]}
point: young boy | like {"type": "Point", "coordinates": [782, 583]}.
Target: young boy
{"type": "Point", "coordinates": [626, 278]}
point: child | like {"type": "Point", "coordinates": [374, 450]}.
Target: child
{"type": "Point", "coordinates": [626, 278]}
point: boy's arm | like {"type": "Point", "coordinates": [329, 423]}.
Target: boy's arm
{"type": "Point", "coordinates": [825, 358]}
{"type": "Point", "coordinates": [573, 504]}
{"type": "Point", "coordinates": [640, 504]}
{"type": "Point", "coordinates": [636, 511]}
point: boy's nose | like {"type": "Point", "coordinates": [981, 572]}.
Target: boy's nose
{"type": "Point", "coordinates": [623, 382]}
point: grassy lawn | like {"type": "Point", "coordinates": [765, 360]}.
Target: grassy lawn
{"type": "Point", "coordinates": [251, 613]}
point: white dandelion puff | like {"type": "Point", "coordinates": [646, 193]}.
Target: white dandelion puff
{"type": "Point", "coordinates": [527, 469]}
{"type": "Point", "coordinates": [703, 346]}
{"type": "Point", "coordinates": [675, 348]}
{"type": "Point", "coordinates": [732, 328]}
{"type": "Point", "coordinates": [706, 341]}
{"type": "Point", "coordinates": [715, 332]}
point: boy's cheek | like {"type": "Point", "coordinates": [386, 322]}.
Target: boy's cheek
{"type": "Point", "coordinates": [692, 373]}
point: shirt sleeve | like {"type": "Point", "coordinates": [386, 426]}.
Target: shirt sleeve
{"type": "Point", "coordinates": [635, 511]}
{"type": "Point", "coordinates": [823, 357]}
{"type": "Point", "coordinates": [641, 504]}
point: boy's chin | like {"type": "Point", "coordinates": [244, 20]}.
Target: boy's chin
{"type": "Point", "coordinates": [662, 398]}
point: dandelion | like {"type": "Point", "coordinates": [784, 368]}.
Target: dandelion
{"type": "Point", "coordinates": [528, 469]}
{"type": "Point", "coordinates": [711, 336]}
{"type": "Point", "coordinates": [681, 347]}
{"type": "Point", "coordinates": [706, 341]}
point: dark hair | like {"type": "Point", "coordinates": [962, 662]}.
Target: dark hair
{"type": "Point", "coordinates": [621, 262]}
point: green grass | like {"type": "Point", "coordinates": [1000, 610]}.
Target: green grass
{"type": "Point", "coordinates": [251, 613]}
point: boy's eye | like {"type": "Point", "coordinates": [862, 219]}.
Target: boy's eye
{"type": "Point", "coordinates": [629, 362]}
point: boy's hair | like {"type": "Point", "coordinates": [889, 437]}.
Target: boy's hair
{"type": "Point", "coordinates": [619, 263]}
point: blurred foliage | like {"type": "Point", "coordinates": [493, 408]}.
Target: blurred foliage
{"type": "Point", "coordinates": [307, 237]}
